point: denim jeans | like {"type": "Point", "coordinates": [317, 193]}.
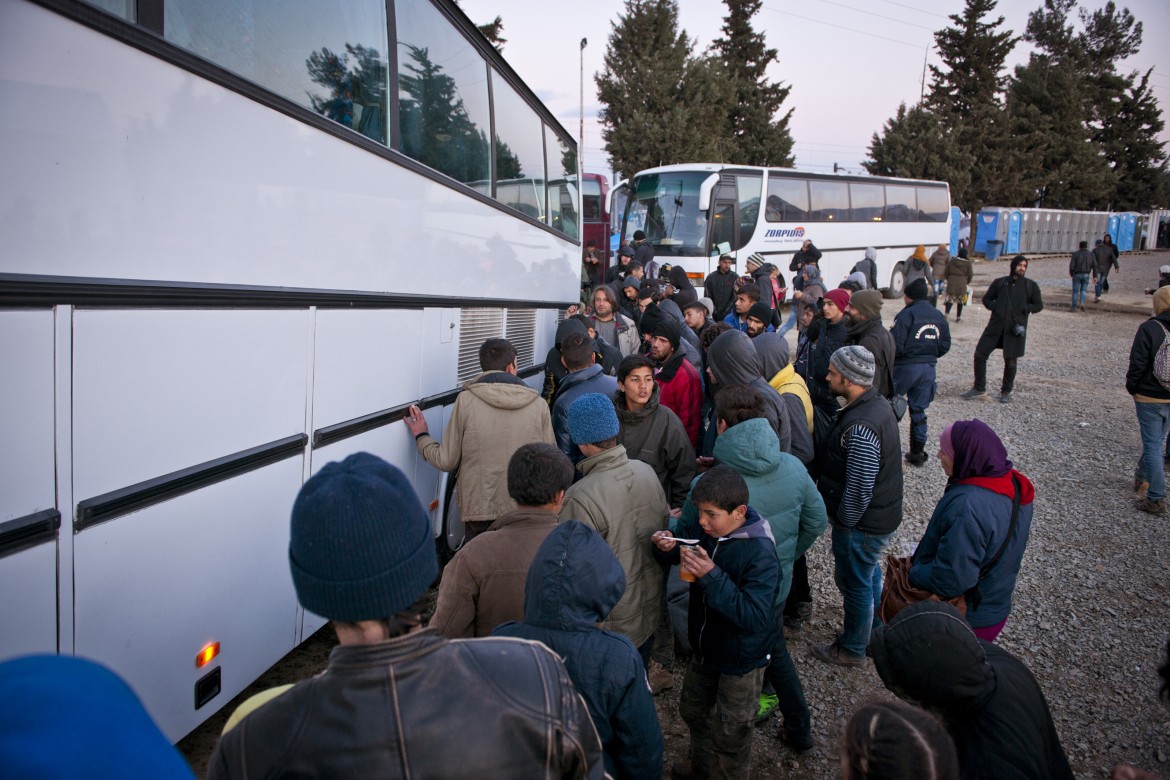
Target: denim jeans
{"type": "Point", "coordinates": [719, 710]}
{"type": "Point", "coordinates": [1101, 279]}
{"type": "Point", "coordinates": [1154, 422]}
{"type": "Point", "coordinates": [781, 676]}
{"type": "Point", "coordinates": [858, 574]}
{"type": "Point", "coordinates": [939, 284]}
{"type": "Point", "coordinates": [917, 382]}
{"type": "Point", "coordinates": [1080, 284]}
{"type": "Point", "coordinates": [790, 323]}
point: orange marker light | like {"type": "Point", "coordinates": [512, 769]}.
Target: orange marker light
{"type": "Point", "coordinates": [206, 654]}
{"type": "Point", "coordinates": [434, 505]}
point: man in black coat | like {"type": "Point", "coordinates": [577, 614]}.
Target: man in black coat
{"type": "Point", "coordinates": [719, 286]}
{"type": "Point", "coordinates": [1011, 299]}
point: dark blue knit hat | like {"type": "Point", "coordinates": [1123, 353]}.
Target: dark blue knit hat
{"type": "Point", "coordinates": [360, 546]}
{"type": "Point", "coordinates": [592, 419]}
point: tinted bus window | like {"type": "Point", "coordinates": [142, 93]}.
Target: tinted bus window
{"type": "Point", "coordinates": [562, 192]}
{"type": "Point", "coordinates": [519, 143]}
{"type": "Point", "coordinates": [749, 186]}
{"type": "Point", "coordinates": [933, 204]}
{"type": "Point", "coordinates": [333, 63]}
{"type": "Point", "coordinates": [443, 115]}
{"type": "Point", "coordinates": [829, 201]}
{"type": "Point", "coordinates": [591, 200]}
{"type": "Point", "coordinates": [787, 200]}
{"type": "Point", "coordinates": [901, 204]}
{"type": "Point", "coordinates": [126, 9]}
{"type": "Point", "coordinates": [867, 202]}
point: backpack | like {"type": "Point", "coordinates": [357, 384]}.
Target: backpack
{"type": "Point", "coordinates": [1161, 369]}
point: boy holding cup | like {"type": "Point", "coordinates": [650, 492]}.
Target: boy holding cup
{"type": "Point", "coordinates": [731, 620]}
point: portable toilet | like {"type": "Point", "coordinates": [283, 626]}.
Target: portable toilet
{"type": "Point", "coordinates": [1015, 225]}
{"type": "Point", "coordinates": [988, 227]}
{"type": "Point", "coordinates": [1127, 229]}
{"type": "Point", "coordinates": [1114, 227]}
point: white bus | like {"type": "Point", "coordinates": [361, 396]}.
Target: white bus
{"type": "Point", "coordinates": [237, 240]}
{"type": "Point", "coordinates": [688, 211]}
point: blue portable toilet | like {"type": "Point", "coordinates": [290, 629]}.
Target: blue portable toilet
{"type": "Point", "coordinates": [987, 229]}
{"type": "Point", "coordinates": [1114, 227]}
{"type": "Point", "coordinates": [1015, 225]}
{"type": "Point", "coordinates": [1128, 227]}
{"type": "Point", "coordinates": [956, 226]}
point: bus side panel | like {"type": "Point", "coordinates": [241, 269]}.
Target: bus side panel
{"type": "Point", "coordinates": [156, 586]}
{"type": "Point", "coordinates": [159, 391]}
{"type": "Point", "coordinates": [28, 578]}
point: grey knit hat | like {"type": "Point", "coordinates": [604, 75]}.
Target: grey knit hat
{"type": "Point", "coordinates": [855, 364]}
{"type": "Point", "coordinates": [360, 545]}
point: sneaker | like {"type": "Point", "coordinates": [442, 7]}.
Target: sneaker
{"type": "Point", "coordinates": [833, 653]}
{"type": "Point", "coordinates": [768, 704]}
{"type": "Point", "coordinates": [1005, 398]}
{"type": "Point", "coordinates": [659, 677]}
{"type": "Point", "coordinates": [1153, 507]}
{"type": "Point", "coordinates": [974, 392]}
{"type": "Point", "coordinates": [797, 745]}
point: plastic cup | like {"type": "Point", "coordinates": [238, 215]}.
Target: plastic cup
{"type": "Point", "coordinates": [685, 575]}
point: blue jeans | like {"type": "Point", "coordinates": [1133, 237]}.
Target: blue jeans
{"type": "Point", "coordinates": [858, 574]}
{"type": "Point", "coordinates": [1101, 278]}
{"type": "Point", "coordinates": [1080, 288]}
{"type": "Point", "coordinates": [939, 284]}
{"type": "Point", "coordinates": [917, 382]}
{"type": "Point", "coordinates": [790, 323]}
{"type": "Point", "coordinates": [1154, 422]}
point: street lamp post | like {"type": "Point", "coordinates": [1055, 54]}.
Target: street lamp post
{"type": "Point", "coordinates": [581, 116]}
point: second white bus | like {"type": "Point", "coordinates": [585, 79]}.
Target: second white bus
{"type": "Point", "coordinates": [689, 211]}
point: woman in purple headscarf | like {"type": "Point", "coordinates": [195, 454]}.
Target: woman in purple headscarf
{"type": "Point", "coordinates": [971, 545]}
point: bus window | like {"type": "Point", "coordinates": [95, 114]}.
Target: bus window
{"type": "Point", "coordinates": [901, 204]}
{"type": "Point", "coordinates": [787, 200]}
{"type": "Point", "coordinates": [124, 9]}
{"type": "Point", "coordinates": [666, 207]}
{"type": "Point", "coordinates": [867, 201]}
{"type": "Point", "coordinates": [562, 192]}
{"type": "Point", "coordinates": [749, 186]}
{"type": "Point", "coordinates": [519, 145]}
{"type": "Point", "coordinates": [591, 200]}
{"type": "Point", "coordinates": [333, 63]}
{"type": "Point", "coordinates": [933, 204]}
{"type": "Point", "coordinates": [443, 114]}
{"type": "Point", "coordinates": [829, 201]}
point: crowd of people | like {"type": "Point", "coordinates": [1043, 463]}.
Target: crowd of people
{"type": "Point", "coordinates": [656, 501]}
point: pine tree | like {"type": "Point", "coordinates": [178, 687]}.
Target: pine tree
{"type": "Point", "coordinates": [966, 98]}
{"type": "Point", "coordinates": [755, 134]}
{"type": "Point", "coordinates": [913, 145]}
{"type": "Point", "coordinates": [1138, 158]}
{"type": "Point", "coordinates": [657, 97]}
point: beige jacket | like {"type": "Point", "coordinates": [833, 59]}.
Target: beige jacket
{"type": "Point", "coordinates": [623, 501]}
{"type": "Point", "coordinates": [493, 416]}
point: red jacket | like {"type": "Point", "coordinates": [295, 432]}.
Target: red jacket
{"type": "Point", "coordinates": [681, 391]}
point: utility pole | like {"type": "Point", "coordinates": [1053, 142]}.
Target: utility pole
{"type": "Point", "coordinates": [581, 117]}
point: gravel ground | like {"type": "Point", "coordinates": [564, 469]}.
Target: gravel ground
{"type": "Point", "coordinates": [1092, 601]}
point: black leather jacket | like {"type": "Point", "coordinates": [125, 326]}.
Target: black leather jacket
{"type": "Point", "coordinates": [421, 706]}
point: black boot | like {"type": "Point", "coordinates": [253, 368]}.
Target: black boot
{"type": "Point", "coordinates": [917, 454]}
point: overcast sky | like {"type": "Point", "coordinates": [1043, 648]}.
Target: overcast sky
{"type": "Point", "coordinates": [849, 63]}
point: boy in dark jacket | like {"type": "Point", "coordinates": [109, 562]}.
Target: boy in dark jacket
{"type": "Point", "coordinates": [573, 583]}
{"type": "Point", "coordinates": [736, 575]}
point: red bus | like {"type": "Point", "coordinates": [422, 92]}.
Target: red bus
{"type": "Point", "coordinates": [594, 216]}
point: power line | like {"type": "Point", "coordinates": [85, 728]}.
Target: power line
{"type": "Point", "coordinates": [842, 27]}
{"type": "Point", "coordinates": [879, 16]}
{"type": "Point", "coordinates": [919, 10]}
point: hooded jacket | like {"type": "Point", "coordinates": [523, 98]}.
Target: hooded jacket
{"type": "Point", "coordinates": [779, 373]}
{"type": "Point", "coordinates": [989, 701]}
{"type": "Point", "coordinates": [872, 334]}
{"type": "Point", "coordinates": [734, 361]}
{"type": "Point", "coordinates": [655, 435]}
{"type": "Point", "coordinates": [483, 585]}
{"type": "Point", "coordinates": [494, 415]}
{"type": "Point", "coordinates": [572, 585]}
{"type": "Point", "coordinates": [917, 267]}
{"type": "Point", "coordinates": [829, 338]}
{"type": "Point", "coordinates": [731, 615]}
{"type": "Point", "coordinates": [682, 392]}
{"type": "Point", "coordinates": [1139, 377]}
{"type": "Point", "coordinates": [572, 387]}
{"type": "Point", "coordinates": [386, 710]}
{"type": "Point", "coordinates": [960, 272]}
{"type": "Point", "coordinates": [1011, 300]}
{"type": "Point", "coordinates": [623, 501]}
{"type": "Point", "coordinates": [868, 266]}
{"type": "Point", "coordinates": [554, 369]}
{"type": "Point", "coordinates": [938, 263]}
{"type": "Point", "coordinates": [968, 527]}
{"type": "Point", "coordinates": [686, 291]}
{"type": "Point", "coordinates": [779, 488]}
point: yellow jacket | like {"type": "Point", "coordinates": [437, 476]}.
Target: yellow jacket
{"type": "Point", "coordinates": [788, 381]}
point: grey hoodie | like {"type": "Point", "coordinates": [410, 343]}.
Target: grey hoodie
{"type": "Point", "coordinates": [733, 360]}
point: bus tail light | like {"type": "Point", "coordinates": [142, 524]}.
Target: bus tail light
{"type": "Point", "coordinates": [693, 275]}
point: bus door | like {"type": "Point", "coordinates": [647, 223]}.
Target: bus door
{"type": "Point", "coordinates": [724, 220]}
{"type": "Point", "coordinates": [618, 199]}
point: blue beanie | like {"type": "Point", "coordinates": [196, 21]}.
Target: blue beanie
{"type": "Point", "coordinates": [360, 546]}
{"type": "Point", "coordinates": [69, 717]}
{"type": "Point", "coordinates": [592, 419]}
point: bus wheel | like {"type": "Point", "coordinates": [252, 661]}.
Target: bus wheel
{"type": "Point", "coordinates": [897, 282]}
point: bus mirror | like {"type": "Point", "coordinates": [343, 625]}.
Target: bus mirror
{"type": "Point", "coordinates": [705, 192]}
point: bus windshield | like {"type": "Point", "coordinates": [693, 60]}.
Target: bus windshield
{"type": "Point", "coordinates": [666, 207]}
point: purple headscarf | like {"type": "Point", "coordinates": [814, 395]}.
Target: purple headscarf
{"type": "Point", "coordinates": [978, 451]}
